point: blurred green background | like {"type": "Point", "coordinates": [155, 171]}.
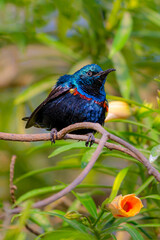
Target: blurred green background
{"type": "Point", "coordinates": [42, 40]}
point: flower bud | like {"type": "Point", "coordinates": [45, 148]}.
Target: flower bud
{"type": "Point", "coordinates": [118, 110]}
{"type": "Point", "coordinates": [73, 215]}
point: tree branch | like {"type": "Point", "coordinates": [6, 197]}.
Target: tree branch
{"type": "Point", "coordinates": [63, 134]}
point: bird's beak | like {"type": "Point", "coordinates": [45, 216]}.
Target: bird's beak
{"type": "Point", "coordinates": [103, 74]}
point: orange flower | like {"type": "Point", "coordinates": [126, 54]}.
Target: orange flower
{"type": "Point", "coordinates": [125, 206]}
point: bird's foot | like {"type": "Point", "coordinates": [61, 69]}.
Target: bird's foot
{"type": "Point", "coordinates": [53, 135]}
{"type": "Point", "coordinates": [90, 140]}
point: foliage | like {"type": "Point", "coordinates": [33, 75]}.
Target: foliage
{"type": "Point", "coordinates": [41, 40]}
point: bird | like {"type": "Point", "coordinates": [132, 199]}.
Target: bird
{"type": "Point", "coordinates": [75, 98]}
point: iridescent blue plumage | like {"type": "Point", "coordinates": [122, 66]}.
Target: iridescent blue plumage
{"type": "Point", "coordinates": [76, 98]}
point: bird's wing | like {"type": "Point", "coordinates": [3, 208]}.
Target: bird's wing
{"type": "Point", "coordinates": [56, 92]}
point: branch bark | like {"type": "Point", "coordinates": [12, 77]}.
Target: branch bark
{"type": "Point", "coordinates": [63, 134]}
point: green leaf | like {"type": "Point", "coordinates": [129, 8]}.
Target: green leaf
{"type": "Point", "coordinates": [35, 89]}
{"type": "Point", "coordinates": [47, 145]}
{"type": "Point", "coordinates": [113, 236]}
{"type": "Point", "coordinates": [88, 203]}
{"type": "Point", "coordinates": [117, 183]}
{"type": "Point", "coordinates": [135, 123]}
{"type": "Point", "coordinates": [121, 155]}
{"type": "Point", "coordinates": [153, 196]}
{"type": "Point", "coordinates": [148, 225]}
{"type": "Point", "coordinates": [52, 42]}
{"type": "Point", "coordinates": [37, 192]}
{"type": "Point", "coordinates": [152, 16]}
{"type": "Point", "coordinates": [132, 231]}
{"type": "Point", "coordinates": [144, 185]}
{"type": "Point", "coordinates": [66, 234]}
{"type": "Point", "coordinates": [25, 213]}
{"type": "Point", "coordinates": [44, 170]}
{"type": "Point", "coordinates": [97, 167]}
{"type": "Point", "coordinates": [140, 135]}
{"type": "Point", "coordinates": [122, 35]}
{"type": "Point", "coordinates": [123, 76]}
{"type": "Point", "coordinates": [86, 157]}
{"type": "Point", "coordinates": [73, 223]}
{"type": "Point", "coordinates": [62, 149]}
{"type": "Point", "coordinates": [52, 189]}
{"type": "Point", "coordinates": [41, 220]}
{"type": "Point", "coordinates": [155, 153]}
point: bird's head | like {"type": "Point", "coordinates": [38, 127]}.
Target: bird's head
{"type": "Point", "coordinates": [91, 78]}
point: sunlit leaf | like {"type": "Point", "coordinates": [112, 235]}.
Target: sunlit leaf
{"type": "Point", "coordinates": [117, 183]}
{"type": "Point", "coordinates": [88, 203]}
{"type": "Point", "coordinates": [152, 16]}
{"type": "Point", "coordinates": [86, 157]}
{"type": "Point", "coordinates": [122, 34]}
{"type": "Point", "coordinates": [122, 73]}
{"type": "Point", "coordinates": [52, 42]}
{"type": "Point", "coordinates": [76, 145]}
{"type": "Point", "coordinates": [155, 153]}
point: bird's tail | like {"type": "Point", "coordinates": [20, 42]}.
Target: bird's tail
{"type": "Point", "coordinates": [25, 118]}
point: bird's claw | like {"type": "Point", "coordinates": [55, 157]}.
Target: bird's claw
{"type": "Point", "coordinates": [90, 140]}
{"type": "Point", "coordinates": [53, 135]}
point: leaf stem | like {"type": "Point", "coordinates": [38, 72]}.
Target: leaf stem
{"type": "Point", "coordinates": [99, 217]}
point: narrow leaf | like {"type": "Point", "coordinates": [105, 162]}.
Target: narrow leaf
{"type": "Point", "coordinates": [122, 35]}
{"type": "Point", "coordinates": [86, 157]}
{"type": "Point", "coordinates": [123, 76]}
{"type": "Point", "coordinates": [67, 147]}
{"type": "Point", "coordinates": [144, 185]}
{"type": "Point", "coordinates": [73, 223]}
{"type": "Point", "coordinates": [117, 183]}
{"type": "Point", "coordinates": [88, 203]}
{"type": "Point", "coordinates": [52, 42]}
{"type": "Point", "coordinates": [153, 196]}
{"type": "Point", "coordinates": [133, 232]}
{"type": "Point", "coordinates": [152, 16]}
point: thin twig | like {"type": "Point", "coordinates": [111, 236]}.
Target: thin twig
{"type": "Point", "coordinates": [12, 191]}
{"type": "Point", "coordinates": [12, 186]}
{"type": "Point", "coordinates": [29, 228]}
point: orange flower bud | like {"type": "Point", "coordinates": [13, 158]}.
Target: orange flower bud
{"type": "Point", "coordinates": [125, 206]}
{"type": "Point", "coordinates": [118, 110]}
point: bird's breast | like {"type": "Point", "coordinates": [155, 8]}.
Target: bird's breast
{"type": "Point", "coordinates": [103, 104]}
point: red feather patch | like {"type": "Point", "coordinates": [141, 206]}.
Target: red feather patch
{"type": "Point", "coordinates": [102, 104]}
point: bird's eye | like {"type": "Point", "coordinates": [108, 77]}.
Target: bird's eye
{"type": "Point", "coordinates": [89, 73]}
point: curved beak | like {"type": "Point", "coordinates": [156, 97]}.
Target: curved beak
{"type": "Point", "coordinates": [104, 74]}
